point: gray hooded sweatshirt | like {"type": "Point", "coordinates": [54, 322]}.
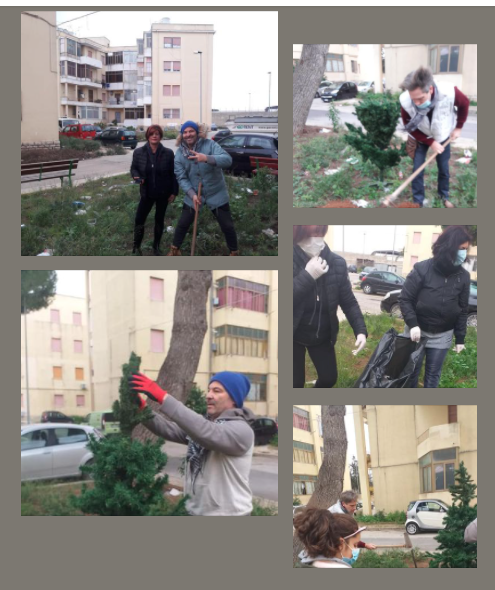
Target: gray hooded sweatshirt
{"type": "Point", "coordinates": [222, 486]}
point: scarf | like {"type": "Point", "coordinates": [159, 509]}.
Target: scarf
{"type": "Point", "coordinates": [416, 121]}
{"type": "Point", "coordinates": [197, 456]}
{"type": "Point", "coordinates": [186, 152]}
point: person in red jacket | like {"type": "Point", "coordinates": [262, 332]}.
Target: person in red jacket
{"type": "Point", "coordinates": [429, 116]}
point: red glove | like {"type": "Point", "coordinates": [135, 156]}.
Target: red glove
{"type": "Point", "coordinates": [140, 402]}
{"type": "Point", "coordinates": [141, 383]}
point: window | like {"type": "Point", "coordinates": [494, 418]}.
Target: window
{"type": "Point", "coordinates": [303, 452]}
{"type": "Point", "coordinates": [147, 89]}
{"type": "Point", "coordinates": [78, 346]}
{"type": "Point", "coordinates": [70, 436]}
{"type": "Point", "coordinates": [303, 485]}
{"type": "Point", "coordinates": [171, 66]}
{"type": "Point", "coordinates": [137, 113]}
{"type": "Point", "coordinates": [148, 39]}
{"type": "Point", "coordinates": [437, 468]}
{"type": "Point", "coordinates": [234, 292]}
{"type": "Point", "coordinates": [171, 113]}
{"type": "Point", "coordinates": [56, 345]}
{"type": "Point", "coordinates": [114, 58]}
{"type": "Point", "coordinates": [354, 66]}
{"type": "Point", "coordinates": [157, 341]}
{"type": "Point", "coordinates": [156, 289]}
{"type": "Point", "coordinates": [235, 141]}
{"type": "Point", "coordinates": [58, 401]}
{"type": "Point", "coordinates": [414, 259]}
{"type": "Point", "coordinates": [334, 63]}
{"type": "Point", "coordinates": [57, 373]}
{"type": "Point", "coordinates": [148, 65]}
{"type": "Point", "coordinates": [114, 77]}
{"type": "Point", "coordinates": [90, 53]}
{"type": "Point", "coordinates": [80, 401]}
{"type": "Point", "coordinates": [37, 439]}
{"type": "Point", "coordinates": [71, 68]}
{"type": "Point", "coordinates": [434, 238]}
{"type": "Point", "coordinates": [262, 143]}
{"type": "Point", "coordinates": [239, 341]}
{"type": "Point", "coordinates": [55, 316]}
{"type": "Point", "coordinates": [62, 68]}
{"type": "Point", "coordinates": [90, 95]}
{"type": "Point", "coordinates": [140, 44]}
{"type": "Point", "coordinates": [130, 79]}
{"type": "Point", "coordinates": [79, 374]}
{"type": "Point", "coordinates": [452, 414]}
{"type": "Point", "coordinates": [417, 237]}
{"type": "Point", "coordinates": [445, 59]}
{"type": "Point", "coordinates": [300, 419]}
{"type": "Point", "coordinates": [175, 90]}
{"type": "Point", "coordinates": [167, 91]}
{"type": "Point", "coordinates": [130, 57]}
{"type": "Point", "coordinates": [71, 47]}
{"type": "Point", "coordinates": [62, 45]}
{"type": "Point", "coordinates": [89, 112]}
{"type": "Point", "coordinates": [257, 392]}
{"type": "Point", "coordinates": [171, 42]}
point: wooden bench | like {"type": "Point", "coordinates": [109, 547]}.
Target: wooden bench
{"type": "Point", "coordinates": [45, 170]}
{"type": "Point", "coordinates": [257, 162]}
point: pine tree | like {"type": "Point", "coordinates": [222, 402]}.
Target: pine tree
{"type": "Point", "coordinates": [453, 551]}
{"type": "Point", "coordinates": [197, 401]}
{"type": "Point", "coordinates": [378, 114]}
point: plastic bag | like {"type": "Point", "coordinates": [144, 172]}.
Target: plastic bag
{"type": "Point", "coordinates": [393, 361]}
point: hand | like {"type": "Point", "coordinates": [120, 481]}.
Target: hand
{"type": "Point", "coordinates": [171, 199]}
{"type": "Point", "coordinates": [141, 383]}
{"type": "Point", "coordinates": [141, 180]}
{"type": "Point", "coordinates": [369, 546]}
{"type": "Point", "coordinates": [360, 343]}
{"type": "Point", "coordinates": [437, 147]}
{"type": "Point", "coordinates": [317, 267]}
{"type": "Point", "coordinates": [139, 401]}
{"type": "Point", "coordinates": [459, 348]}
{"type": "Point", "coordinates": [198, 157]}
{"type": "Point", "coordinates": [196, 202]}
{"type": "Point", "coordinates": [455, 134]}
{"type": "Point", "coordinates": [415, 334]}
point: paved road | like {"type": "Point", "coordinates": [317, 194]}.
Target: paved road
{"type": "Point", "coordinates": [367, 303]}
{"type": "Point", "coordinates": [264, 473]}
{"type": "Point", "coordinates": [318, 115]}
{"type": "Point", "coordinates": [424, 541]}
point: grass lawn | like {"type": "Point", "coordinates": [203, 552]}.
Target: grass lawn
{"type": "Point", "coordinates": [459, 370]}
{"type": "Point", "coordinates": [107, 227]}
{"type": "Point", "coordinates": [313, 153]}
{"type": "Point", "coordinates": [395, 558]}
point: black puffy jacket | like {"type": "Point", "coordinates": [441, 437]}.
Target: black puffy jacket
{"type": "Point", "coordinates": [335, 289]}
{"type": "Point", "coordinates": [435, 297]}
{"type": "Point", "coordinates": [164, 167]}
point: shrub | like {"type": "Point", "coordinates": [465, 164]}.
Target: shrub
{"type": "Point", "coordinates": [197, 401]}
{"type": "Point", "coordinates": [259, 510]}
{"type": "Point", "coordinates": [296, 501]}
{"type": "Point", "coordinates": [78, 419]}
{"type": "Point", "coordinates": [372, 559]}
{"type": "Point", "coordinates": [83, 145]}
{"type": "Point", "coordinates": [274, 441]}
{"type": "Point", "coordinates": [170, 134]}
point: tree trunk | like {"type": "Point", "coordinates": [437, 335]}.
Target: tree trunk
{"type": "Point", "coordinates": [305, 82]}
{"type": "Point", "coordinates": [177, 373]}
{"type": "Point", "coordinates": [331, 476]}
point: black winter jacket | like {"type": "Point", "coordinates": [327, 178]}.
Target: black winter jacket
{"type": "Point", "coordinates": [435, 297]}
{"type": "Point", "coordinates": [335, 290]}
{"type": "Point", "coordinates": [164, 167]}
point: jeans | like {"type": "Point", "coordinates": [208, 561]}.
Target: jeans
{"type": "Point", "coordinates": [435, 357]}
{"type": "Point", "coordinates": [221, 214]}
{"type": "Point", "coordinates": [323, 357]}
{"type": "Point", "coordinates": [418, 184]}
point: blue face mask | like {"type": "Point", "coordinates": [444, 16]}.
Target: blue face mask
{"type": "Point", "coordinates": [425, 105]}
{"type": "Point", "coordinates": [353, 559]}
{"type": "Point", "coordinates": [460, 258]}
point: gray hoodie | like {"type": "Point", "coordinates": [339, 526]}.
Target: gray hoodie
{"type": "Point", "coordinates": [222, 488]}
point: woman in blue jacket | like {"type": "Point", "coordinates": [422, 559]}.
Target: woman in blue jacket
{"type": "Point", "coordinates": [200, 160]}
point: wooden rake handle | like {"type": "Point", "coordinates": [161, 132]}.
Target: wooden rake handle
{"type": "Point", "coordinates": [196, 207]}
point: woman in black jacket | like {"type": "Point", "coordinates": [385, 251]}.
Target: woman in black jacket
{"type": "Point", "coordinates": [435, 300]}
{"type": "Point", "coordinates": [321, 284]}
{"type": "Point", "coordinates": [153, 169]}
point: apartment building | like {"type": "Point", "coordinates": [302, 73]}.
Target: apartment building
{"type": "Point", "coordinates": [455, 63]}
{"type": "Point", "coordinates": [39, 79]}
{"type": "Point", "coordinates": [416, 449]}
{"type": "Point", "coordinates": [58, 359]}
{"type": "Point", "coordinates": [133, 311]}
{"type": "Point", "coordinates": [165, 79]}
{"type": "Point", "coordinates": [307, 452]}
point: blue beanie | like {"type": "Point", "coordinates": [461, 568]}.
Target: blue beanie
{"type": "Point", "coordinates": [189, 124]}
{"type": "Point", "coordinates": [236, 385]}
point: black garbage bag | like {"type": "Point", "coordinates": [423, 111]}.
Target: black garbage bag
{"type": "Point", "coordinates": [393, 361]}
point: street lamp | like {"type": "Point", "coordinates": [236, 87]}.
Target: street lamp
{"type": "Point", "coordinates": [249, 101]}
{"type": "Point", "coordinates": [269, 89]}
{"type": "Point", "coordinates": [200, 53]}
{"type": "Point", "coordinates": [28, 407]}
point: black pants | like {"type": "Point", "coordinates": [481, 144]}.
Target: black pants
{"type": "Point", "coordinates": [323, 357]}
{"type": "Point", "coordinates": [143, 210]}
{"type": "Point", "coordinates": [221, 214]}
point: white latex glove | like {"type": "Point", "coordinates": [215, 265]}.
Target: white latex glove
{"type": "Point", "coordinates": [317, 267]}
{"type": "Point", "coordinates": [415, 334]}
{"type": "Point", "coordinates": [360, 343]}
{"type": "Point", "coordinates": [459, 348]}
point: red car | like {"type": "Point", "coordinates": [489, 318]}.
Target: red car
{"type": "Point", "coordinates": [81, 131]}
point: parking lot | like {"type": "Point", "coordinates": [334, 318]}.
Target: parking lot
{"type": "Point", "coordinates": [367, 303]}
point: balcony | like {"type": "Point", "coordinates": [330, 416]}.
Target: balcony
{"type": "Point", "coordinates": [147, 100]}
{"type": "Point", "coordinates": [114, 85]}
{"type": "Point", "coordinates": [65, 79]}
{"type": "Point", "coordinates": [90, 61]}
{"type": "Point", "coordinates": [439, 437]}
{"type": "Point", "coordinates": [115, 102]}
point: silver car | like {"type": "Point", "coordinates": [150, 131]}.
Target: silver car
{"type": "Point", "coordinates": [425, 515]}
{"type": "Point", "coordinates": [52, 451]}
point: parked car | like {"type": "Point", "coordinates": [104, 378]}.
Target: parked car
{"type": "Point", "coordinates": [52, 451]}
{"type": "Point", "coordinates": [380, 282]}
{"type": "Point", "coordinates": [272, 109]}
{"type": "Point", "coordinates": [425, 515]}
{"type": "Point", "coordinates": [64, 121]}
{"type": "Point", "coordinates": [264, 430]}
{"type": "Point", "coordinates": [322, 87]}
{"type": "Point", "coordinates": [55, 417]}
{"type": "Point", "coordinates": [80, 131]}
{"type": "Point", "coordinates": [241, 146]}
{"type": "Point", "coordinates": [296, 509]}
{"type": "Point", "coordinates": [352, 268]}
{"type": "Point", "coordinates": [213, 127]}
{"type": "Point", "coordinates": [98, 130]}
{"type": "Point", "coordinates": [103, 421]}
{"type": "Point", "coordinates": [339, 91]}
{"type": "Point", "coordinates": [221, 133]}
{"type": "Point", "coordinates": [366, 270]}
{"type": "Point", "coordinates": [366, 87]}
{"type": "Point", "coordinates": [118, 136]}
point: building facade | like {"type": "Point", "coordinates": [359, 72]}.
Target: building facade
{"type": "Point", "coordinates": [416, 449]}
{"type": "Point", "coordinates": [58, 359]}
{"type": "Point", "coordinates": [133, 311]}
{"type": "Point", "coordinates": [39, 80]}
{"type": "Point", "coordinates": [456, 64]}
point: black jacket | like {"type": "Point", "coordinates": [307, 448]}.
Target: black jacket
{"type": "Point", "coordinates": [335, 290]}
{"type": "Point", "coordinates": [164, 168]}
{"type": "Point", "coordinates": [435, 297]}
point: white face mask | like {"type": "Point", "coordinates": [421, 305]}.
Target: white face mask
{"type": "Point", "coordinates": [312, 246]}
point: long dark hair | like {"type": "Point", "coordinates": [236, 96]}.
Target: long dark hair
{"type": "Point", "coordinates": [446, 247]}
{"type": "Point", "coordinates": [301, 232]}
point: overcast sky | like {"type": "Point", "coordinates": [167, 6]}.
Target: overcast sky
{"type": "Point", "coordinates": [245, 47]}
{"type": "Point", "coordinates": [71, 282]}
{"type": "Point", "coordinates": [378, 237]}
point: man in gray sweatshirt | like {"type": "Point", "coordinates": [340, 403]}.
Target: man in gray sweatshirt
{"type": "Point", "coordinates": [220, 445]}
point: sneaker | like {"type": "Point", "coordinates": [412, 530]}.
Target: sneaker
{"type": "Point", "coordinates": [174, 251]}
{"type": "Point", "coordinates": [234, 253]}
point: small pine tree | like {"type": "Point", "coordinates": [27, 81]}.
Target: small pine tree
{"type": "Point", "coordinates": [378, 114]}
{"type": "Point", "coordinates": [197, 401]}
{"type": "Point", "coordinates": [453, 551]}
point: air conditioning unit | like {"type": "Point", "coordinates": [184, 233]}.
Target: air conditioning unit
{"type": "Point", "coordinates": [216, 301]}
{"type": "Point", "coordinates": [83, 386]}
{"type": "Point", "coordinates": [214, 348]}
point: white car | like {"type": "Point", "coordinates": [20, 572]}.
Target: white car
{"type": "Point", "coordinates": [52, 451]}
{"type": "Point", "coordinates": [425, 515]}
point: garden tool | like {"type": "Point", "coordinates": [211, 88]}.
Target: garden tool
{"type": "Point", "coordinates": [196, 207]}
{"type": "Point", "coordinates": [387, 201]}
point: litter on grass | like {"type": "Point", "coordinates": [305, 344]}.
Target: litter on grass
{"type": "Point", "coordinates": [92, 222]}
{"type": "Point", "coordinates": [78, 204]}
{"type": "Point", "coordinates": [174, 492]}
{"type": "Point", "coordinates": [331, 172]}
{"type": "Point", "coordinates": [80, 212]}
{"type": "Point", "coordinates": [46, 252]}
{"type": "Point", "coordinates": [269, 232]}
{"type": "Point", "coordinates": [464, 160]}
{"type": "Point", "coordinates": [352, 161]}
{"type": "Point", "coordinates": [22, 225]}
{"type": "Point", "coordinates": [87, 198]}
{"type": "Point", "coordinates": [170, 229]}
{"type": "Point", "coordinates": [249, 190]}
{"type": "Point", "coordinates": [361, 203]}
{"type": "Point", "coordinates": [324, 130]}
{"type": "Point", "coordinates": [468, 153]}
{"type": "Point", "coordinates": [238, 197]}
